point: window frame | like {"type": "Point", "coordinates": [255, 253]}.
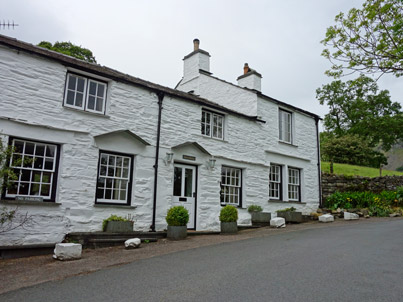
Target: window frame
{"type": "Point", "coordinates": [297, 185]}
{"type": "Point", "coordinates": [211, 124]}
{"type": "Point", "coordinates": [239, 205]}
{"type": "Point", "coordinates": [279, 183]}
{"type": "Point", "coordinates": [87, 82]}
{"type": "Point", "coordinates": [55, 174]}
{"type": "Point", "coordinates": [280, 126]}
{"type": "Point", "coordinates": [130, 179]}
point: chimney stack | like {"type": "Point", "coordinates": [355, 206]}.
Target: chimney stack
{"type": "Point", "coordinates": [197, 60]}
{"type": "Point", "coordinates": [250, 79]}
{"type": "Point", "coordinates": [196, 43]}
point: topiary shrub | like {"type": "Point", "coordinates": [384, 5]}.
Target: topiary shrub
{"type": "Point", "coordinates": [229, 214]}
{"type": "Point", "coordinates": [254, 208]}
{"type": "Point", "coordinates": [292, 209]}
{"type": "Point", "coordinates": [177, 216]}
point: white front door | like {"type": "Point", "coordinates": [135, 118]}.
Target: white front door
{"type": "Point", "coordinates": [184, 190]}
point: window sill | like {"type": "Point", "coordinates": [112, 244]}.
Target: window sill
{"type": "Point", "coordinates": [87, 112]}
{"type": "Point", "coordinates": [121, 206]}
{"type": "Point", "coordinates": [213, 138]}
{"type": "Point", "coordinates": [30, 203]}
{"type": "Point", "coordinates": [287, 143]}
{"type": "Point", "coordinates": [288, 202]}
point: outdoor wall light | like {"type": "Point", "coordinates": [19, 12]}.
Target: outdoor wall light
{"type": "Point", "coordinates": [211, 163]}
{"type": "Point", "coordinates": [168, 158]}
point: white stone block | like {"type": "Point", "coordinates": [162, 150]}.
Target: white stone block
{"type": "Point", "coordinates": [67, 251]}
{"type": "Point", "coordinates": [132, 243]}
{"type": "Point", "coordinates": [350, 216]}
{"type": "Point", "coordinates": [326, 218]}
{"type": "Point", "coordinates": [277, 222]}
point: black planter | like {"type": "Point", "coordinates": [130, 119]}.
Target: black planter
{"type": "Point", "coordinates": [229, 227]}
{"type": "Point", "coordinates": [119, 227]}
{"type": "Point", "coordinates": [295, 217]}
{"type": "Point", "coordinates": [177, 232]}
{"type": "Point", "coordinates": [260, 218]}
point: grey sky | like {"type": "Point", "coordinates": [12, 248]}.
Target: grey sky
{"type": "Point", "coordinates": [148, 39]}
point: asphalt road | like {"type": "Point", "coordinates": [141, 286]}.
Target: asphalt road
{"type": "Point", "coordinates": [352, 262]}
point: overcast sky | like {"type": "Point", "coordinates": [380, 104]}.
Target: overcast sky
{"type": "Point", "coordinates": [148, 39]}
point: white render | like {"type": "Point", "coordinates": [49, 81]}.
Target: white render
{"type": "Point", "coordinates": [132, 243]}
{"type": "Point", "coordinates": [31, 107]}
{"type": "Point", "coordinates": [350, 216]}
{"type": "Point", "coordinates": [326, 218]}
{"type": "Point", "coordinates": [277, 222]}
{"type": "Point", "coordinates": [67, 251]}
{"type": "Point", "coordinates": [252, 81]}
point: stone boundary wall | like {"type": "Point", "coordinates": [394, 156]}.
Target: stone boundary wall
{"type": "Point", "coordinates": [332, 183]}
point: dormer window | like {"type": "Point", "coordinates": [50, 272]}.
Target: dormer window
{"type": "Point", "coordinates": [212, 124]}
{"type": "Point", "coordinates": [285, 126]}
{"type": "Point", "coordinates": [85, 94]}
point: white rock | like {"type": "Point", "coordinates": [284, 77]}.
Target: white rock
{"type": "Point", "coordinates": [350, 216]}
{"type": "Point", "coordinates": [132, 243]}
{"type": "Point", "coordinates": [67, 251]}
{"type": "Point", "coordinates": [277, 222]}
{"type": "Point", "coordinates": [326, 218]}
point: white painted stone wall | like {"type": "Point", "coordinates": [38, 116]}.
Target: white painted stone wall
{"type": "Point", "coordinates": [31, 107]}
{"type": "Point", "coordinates": [252, 81]}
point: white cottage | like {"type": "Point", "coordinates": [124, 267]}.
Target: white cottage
{"type": "Point", "coordinates": [101, 142]}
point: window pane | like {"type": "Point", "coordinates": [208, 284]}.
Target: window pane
{"type": "Point", "coordinates": [93, 88]}
{"type": "Point", "coordinates": [13, 188]}
{"type": "Point", "coordinates": [101, 89]}
{"type": "Point", "coordinates": [125, 173]}
{"type": "Point", "coordinates": [70, 98]}
{"type": "Point", "coordinates": [79, 99]}
{"type": "Point", "coordinates": [109, 183]}
{"type": "Point", "coordinates": [100, 193]}
{"type": "Point", "coordinates": [38, 162]}
{"type": "Point", "coordinates": [111, 171]}
{"type": "Point", "coordinates": [188, 182]}
{"type": "Point", "coordinates": [29, 148]}
{"type": "Point", "coordinates": [17, 160]}
{"type": "Point", "coordinates": [34, 189]}
{"type": "Point", "coordinates": [48, 164]}
{"type": "Point", "coordinates": [111, 161]}
{"type": "Point", "coordinates": [80, 86]}
{"type": "Point", "coordinates": [50, 151]}
{"type": "Point", "coordinates": [24, 188]}
{"type": "Point", "coordinates": [26, 175]}
{"type": "Point", "coordinates": [123, 195]}
{"type": "Point", "coordinates": [36, 176]}
{"type": "Point", "coordinates": [91, 103]}
{"type": "Point", "coordinates": [72, 82]}
{"type": "Point", "coordinates": [18, 147]}
{"type": "Point", "coordinates": [99, 104]}
{"type": "Point", "coordinates": [102, 171]}
{"type": "Point", "coordinates": [177, 181]}
{"type": "Point", "coordinates": [108, 194]}
{"type": "Point", "coordinates": [46, 177]}
{"type": "Point", "coordinates": [104, 159]}
{"type": "Point", "coordinates": [40, 150]}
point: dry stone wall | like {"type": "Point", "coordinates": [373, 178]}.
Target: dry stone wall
{"type": "Point", "coordinates": [332, 183]}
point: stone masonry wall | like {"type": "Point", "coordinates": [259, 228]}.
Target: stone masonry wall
{"type": "Point", "coordinates": [332, 183]}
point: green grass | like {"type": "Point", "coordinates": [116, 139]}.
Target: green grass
{"type": "Point", "coordinates": [356, 170]}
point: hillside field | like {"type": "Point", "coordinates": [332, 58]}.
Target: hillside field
{"type": "Point", "coordinates": [356, 170]}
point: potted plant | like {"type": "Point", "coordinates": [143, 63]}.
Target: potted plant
{"type": "Point", "coordinates": [290, 215]}
{"type": "Point", "coordinates": [177, 219]}
{"type": "Point", "coordinates": [259, 218]}
{"type": "Point", "coordinates": [228, 218]}
{"type": "Point", "coordinates": [118, 224]}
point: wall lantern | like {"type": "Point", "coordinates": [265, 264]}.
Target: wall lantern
{"type": "Point", "coordinates": [211, 163]}
{"type": "Point", "coordinates": [168, 158]}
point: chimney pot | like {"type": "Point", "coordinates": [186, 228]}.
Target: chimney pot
{"type": "Point", "coordinates": [245, 68]}
{"type": "Point", "coordinates": [196, 44]}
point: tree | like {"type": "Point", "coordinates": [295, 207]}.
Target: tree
{"type": "Point", "coordinates": [70, 49]}
{"type": "Point", "coordinates": [349, 149]}
{"type": "Point", "coordinates": [368, 40]}
{"type": "Point", "coordinates": [358, 107]}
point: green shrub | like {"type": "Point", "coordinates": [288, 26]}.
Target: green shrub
{"type": "Point", "coordinates": [378, 204]}
{"type": "Point", "coordinates": [292, 209]}
{"type": "Point", "coordinates": [229, 214]}
{"type": "Point", "coordinates": [177, 216]}
{"type": "Point", "coordinates": [112, 218]}
{"type": "Point", "coordinates": [254, 208]}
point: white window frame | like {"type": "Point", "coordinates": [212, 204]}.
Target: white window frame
{"type": "Point", "coordinates": [231, 186]}
{"type": "Point", "coordinates": [87, 83]}
{"type": "Point", "coordinates": [35, 165]}
{"type": "Point", "coordinates": [114, 178]}
{"type": "Point", "coordinates": [212, 124]}
{"type": "Point", "coordinates": [285, 126]}
{"type": "Point", "coordinates": [294, 184]}
{"type": "Point", "coordinates": [275, 182]}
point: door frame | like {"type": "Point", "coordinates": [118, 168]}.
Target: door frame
{"type": "Point", "coordinates": [196, 188]}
